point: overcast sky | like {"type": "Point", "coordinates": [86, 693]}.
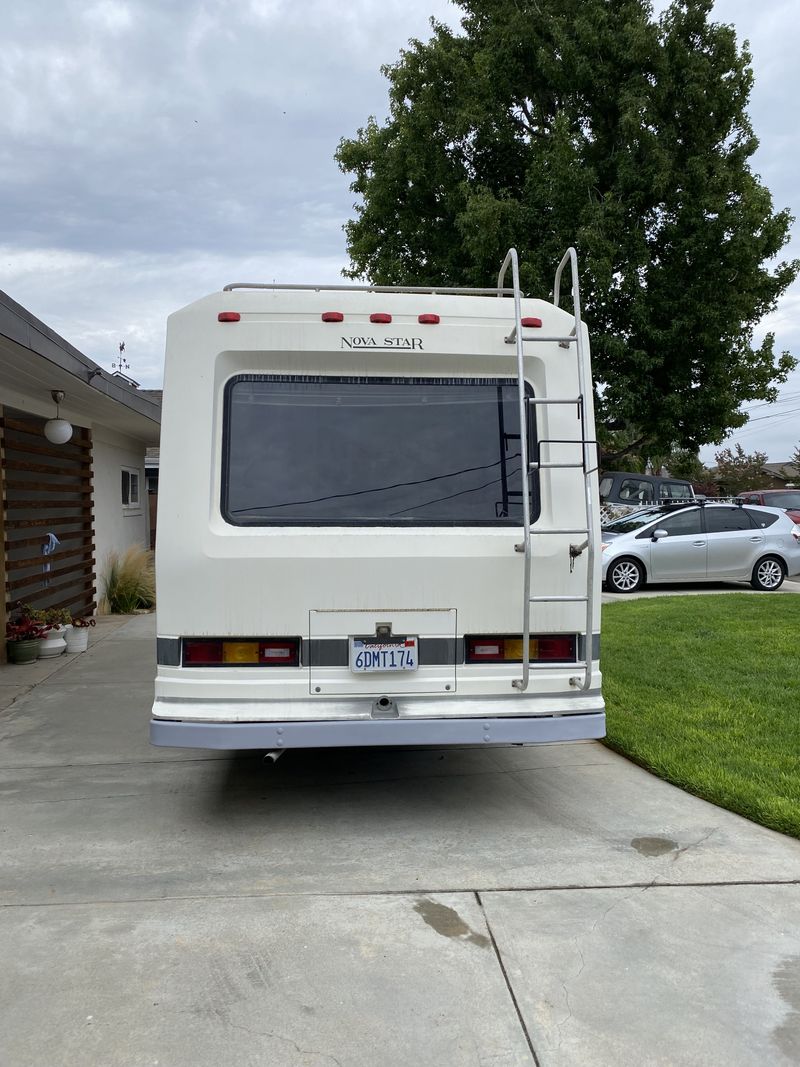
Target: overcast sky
{"type": "Point", "coordinates": [153, 150]}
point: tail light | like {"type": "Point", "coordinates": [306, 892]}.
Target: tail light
{"type": "Point", "coordinates": [542, 648]}
{"type": "Point", "coordinates": [241, 652]}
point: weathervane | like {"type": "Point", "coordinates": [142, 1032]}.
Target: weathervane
{"type": "Point", "coordinates": [122, 365]}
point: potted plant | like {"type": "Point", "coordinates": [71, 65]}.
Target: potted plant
{"type": "Point", "coordinates": [77, 635]}
{"type": "Point", "coordinates": [22, 640]}
{"type": "Point", "coordinates": [55, 621]}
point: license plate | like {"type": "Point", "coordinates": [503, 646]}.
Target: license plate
{"type": "Point", "coordinates": [383, 654]}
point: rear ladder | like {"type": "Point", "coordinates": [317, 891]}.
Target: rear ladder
{"type": "Point", "coordinates": [580, 681]}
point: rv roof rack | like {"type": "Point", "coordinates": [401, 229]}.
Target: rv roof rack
{"type": "Point", "coordinates": [433, 290]}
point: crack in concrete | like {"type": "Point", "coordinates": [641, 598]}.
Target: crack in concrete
{"type": "Point", "coordinates": [73, 800]}
{"type": "Point", "coordinates": [276, 1037]}
{"type": "Point", "coordinates": [565, 983]}
{"type": "Point", "coordinates": [693, 844]}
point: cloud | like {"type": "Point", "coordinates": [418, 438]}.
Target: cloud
{"type": "Point", "coordinates": [151, 126]}
{"type": "Point", "coordinates": [152, 150]}
{"type": "Point", "coordinates": [133, 294]}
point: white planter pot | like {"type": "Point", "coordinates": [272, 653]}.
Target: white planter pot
{"type": "Point", "coordinates": [53, 643]}
{"type": "Point", "coordinates": [77, 638]}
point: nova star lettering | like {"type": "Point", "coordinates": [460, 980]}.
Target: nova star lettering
{"type": "Point", "coordinates": [410, 343]}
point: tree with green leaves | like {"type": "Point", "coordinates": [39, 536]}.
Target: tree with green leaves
{"type": "Point", "coordinates": [738, 470]}
{"type": "Point", "coordinates": [686, 464]}
{"type": "Point", "coordinates": [546, 123]}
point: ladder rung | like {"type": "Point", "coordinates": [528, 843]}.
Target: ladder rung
{"type": "Point", "coordinates": [571, 533]}
{"type": "Point", "coordinates": [555, 400]}
{"type": "Point", "coordinates": [554, 466]}
{"type": "Point", "coordinates": [559, 599]}
{"type": "Point", "coordinates": [511, 339]}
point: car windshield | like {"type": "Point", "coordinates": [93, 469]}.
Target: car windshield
{"type": "Point", "coordinates": [629, 523]}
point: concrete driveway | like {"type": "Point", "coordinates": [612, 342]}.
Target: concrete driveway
{"type": "Point", "coordinates": [493, 907]}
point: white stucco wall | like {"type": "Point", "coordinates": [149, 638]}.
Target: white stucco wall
{"type": "Point", "coordinates": [116, 527]}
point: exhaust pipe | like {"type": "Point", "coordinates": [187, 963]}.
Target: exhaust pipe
{"type": "Point", "coordinates": [273, 756]}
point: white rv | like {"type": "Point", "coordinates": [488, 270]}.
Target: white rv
{"type": "Point", "coordinates": [378, 519]}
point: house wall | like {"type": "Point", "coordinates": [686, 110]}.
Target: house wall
{"type": "Point", "coordinates": [117, 527]}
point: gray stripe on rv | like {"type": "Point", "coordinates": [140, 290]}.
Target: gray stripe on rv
{"type": "Point", "coordinates": [333, 652]}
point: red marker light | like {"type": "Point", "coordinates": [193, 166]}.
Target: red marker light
{"type": "Point", "coordinates": [380, 317]}
{"type": "Point", "coordinates": [428, 320]}
{"type": "Point", "coordinates": [531, 322]}
{"type": "Point", "coordinates": [201, 652]}
{"type": "Point", "coordinates": [228, 316]}
{"type": "Point", "coordinates": [485, 650]}
{"type": "Point", "coordinates": [332, 316]}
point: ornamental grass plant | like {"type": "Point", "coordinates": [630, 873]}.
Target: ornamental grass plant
{"type": "Point", "coordinates": [129, 581]}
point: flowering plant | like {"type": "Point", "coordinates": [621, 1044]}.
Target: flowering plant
{"type": "Point", "coordinates": [25, 630]}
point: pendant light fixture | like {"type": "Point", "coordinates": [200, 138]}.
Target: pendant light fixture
{"type": "Point", "coordinates": [57, 431]}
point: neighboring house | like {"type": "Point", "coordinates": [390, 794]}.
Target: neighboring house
{"type": "Point", "coordinates": [88, 493]}
{"type": "Point", "coordinates": [773, 476]}
{"type": "Point", "coordinates": [780, 475]}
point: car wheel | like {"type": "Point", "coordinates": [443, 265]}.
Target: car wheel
{"type": "Point", "coordinates": [625, 576]}
{"type": "Point", "coordinates": [768, 574]}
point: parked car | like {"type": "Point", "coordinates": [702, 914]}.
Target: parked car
{"type": "Point", "coordinates": [700, 542]}
{"type": "Point", "coordinates": [774, 498]}
{"type": "Point", "coordinates": [624, 487]}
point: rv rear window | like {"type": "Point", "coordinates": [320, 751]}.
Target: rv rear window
{"type": "Point", "coordinates": [372, 451]}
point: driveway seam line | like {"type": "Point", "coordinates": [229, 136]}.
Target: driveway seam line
{"type": "Point", "coordinates": [413, 891]}
{"type": "Point", "coordinates": [507, 980]}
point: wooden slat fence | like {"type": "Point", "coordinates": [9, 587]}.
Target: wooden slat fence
{"type": "Point", "coordinates": [46, 489]}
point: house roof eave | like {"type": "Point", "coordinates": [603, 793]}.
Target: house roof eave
{"type": "Point", "coordinates": [36, 360]}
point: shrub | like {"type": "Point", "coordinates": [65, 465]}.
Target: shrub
{"type": "Point", "coordinates": [22, 613]}
{"type": "Point", "coordinates": [52, 617]}
{"type": "Point", "coordinates": [129, 581]}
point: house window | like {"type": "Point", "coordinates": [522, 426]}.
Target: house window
{"type": "Point", "coordinates": [130, 488]}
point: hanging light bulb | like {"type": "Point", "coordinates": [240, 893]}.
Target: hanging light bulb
{"type": "Point", "coordinates": [57, 431]}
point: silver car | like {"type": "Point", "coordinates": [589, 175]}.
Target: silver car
{"type": "Point", "coordinates": [700, 543]}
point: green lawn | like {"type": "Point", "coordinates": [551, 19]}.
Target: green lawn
{"type": "Point", "coordinates": [705, 692]}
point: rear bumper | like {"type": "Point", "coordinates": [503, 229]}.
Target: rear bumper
{"type": "Point", "coordinates": [540, 729]}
